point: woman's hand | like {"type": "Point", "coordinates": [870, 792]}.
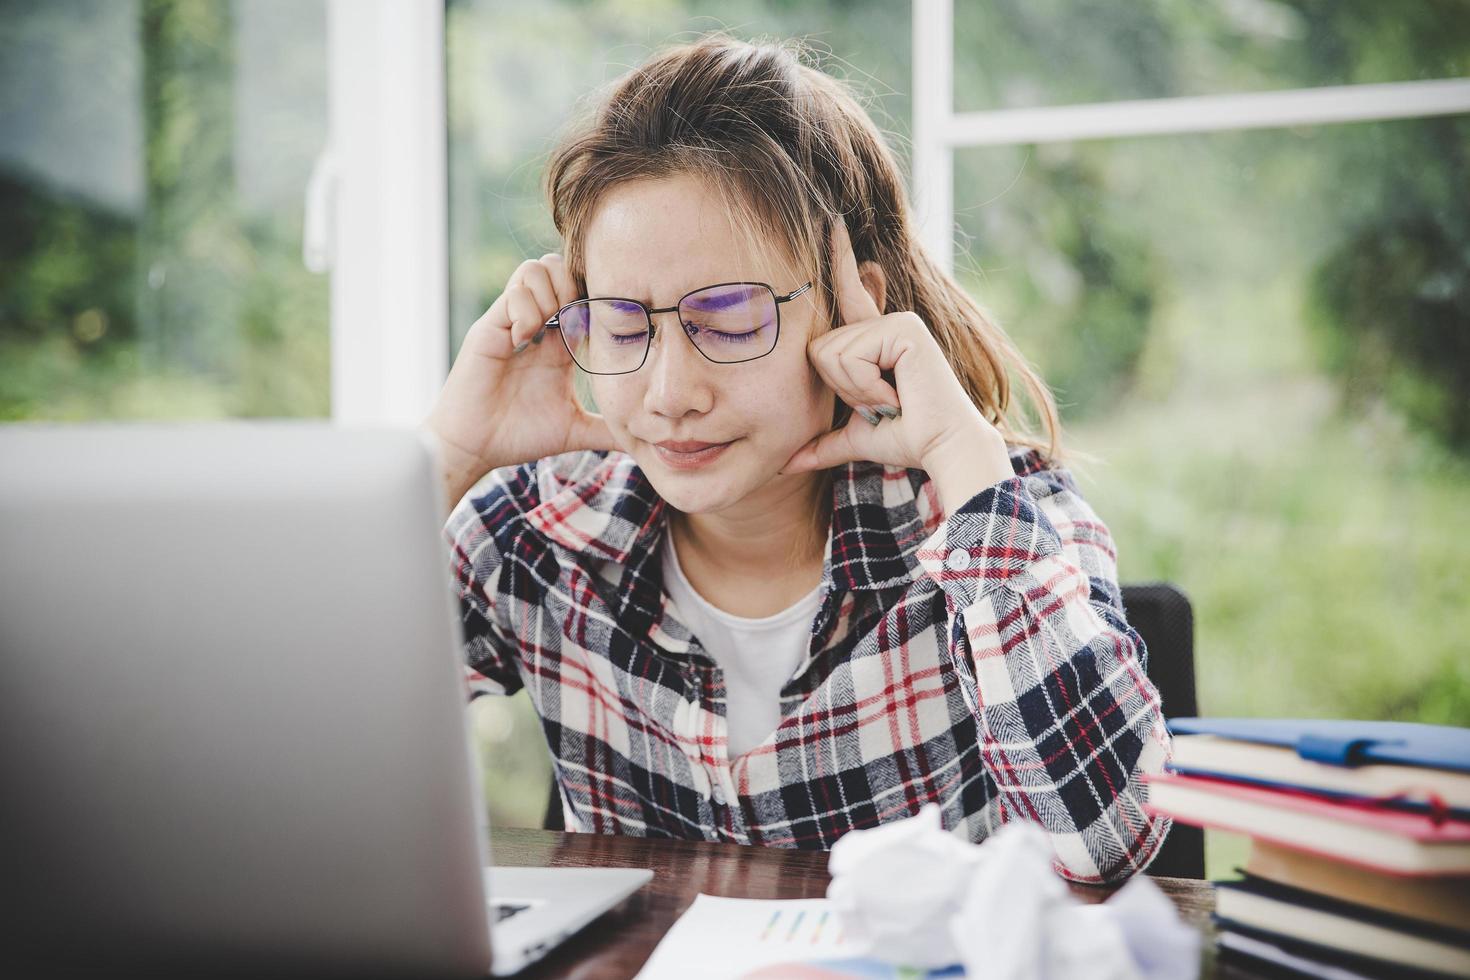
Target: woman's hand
{"type": "Point", "coordinates": [927, 423]}
{"type": "Point", "coordinates": [509, 397]}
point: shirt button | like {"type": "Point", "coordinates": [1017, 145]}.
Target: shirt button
{"type": "Point", "coordinates": [718, 795]}
{"type": "Point", "coordinates": [958, 560]}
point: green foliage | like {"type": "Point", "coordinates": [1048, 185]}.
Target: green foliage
{"type": "Point", "coordinates": [1390, 303]}
{"type": "Point", "coordinates": [192, 252]}
{"type": "Point", "coordinates": [1085, 275]}
{"type": "Point", "coordinates": [1313, 546]}
{"type": "Point", "coordinates": [194, 306]}
{"type": "Point", "coordinates": [1391, 308]}
{"type": "Point", "coordinates": [60, 258]}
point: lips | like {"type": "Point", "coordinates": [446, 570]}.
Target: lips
{"type": "Point", "coordinates": [687, 447]}
{"type": "Point", "coordinates": [691, 454]}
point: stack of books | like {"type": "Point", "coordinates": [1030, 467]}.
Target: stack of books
{"type": "Point", "coordinates": [1360, 841]}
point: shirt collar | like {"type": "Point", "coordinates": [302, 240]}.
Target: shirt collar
{"type": "Point", "coordinates": [880, 517]}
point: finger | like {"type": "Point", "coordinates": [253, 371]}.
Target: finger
{"type": "Point", "coordinates": [525, 315]}
{"type": "Point", "coordinates": [825, 356]}
{"type": "Point", "coordinates": [841, 383]}
{"type": "Point", "coordinates": [868, 382]}
{"type": "Point", "coordinates": [854, 302]}
{"type": "Point", "coordinates": [537, 278]}
{"type": "Point", "coordinates": [488, 334]}
{"type": "Point", "coordinates": [842, 364]}
{"type": "Point", "coordinates": [561, 279]}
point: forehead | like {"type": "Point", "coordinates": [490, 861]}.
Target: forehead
{"type": "Point", "coordinates": [656, 239]}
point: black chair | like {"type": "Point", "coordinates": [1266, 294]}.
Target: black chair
{"type": "Point", "coordinates": [1162, 616]}
{"type": "Point", "coordinates": [554, 820]}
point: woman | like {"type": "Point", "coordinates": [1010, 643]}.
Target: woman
{"type": "Point", "coordinates": [802, 573]}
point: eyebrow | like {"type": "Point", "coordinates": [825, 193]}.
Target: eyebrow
{"type": "Point", "coordinates": [720, 301]}
{"type": "Point", "coordinates": [712, 304]}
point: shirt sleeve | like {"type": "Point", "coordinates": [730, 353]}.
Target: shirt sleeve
{"type": "Point", "coordinates": [1068, 718]}
{"type": "Point", "coordinates": [476, 530]}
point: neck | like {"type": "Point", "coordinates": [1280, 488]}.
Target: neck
{"type": "Point", "coordinates": [767, 535]}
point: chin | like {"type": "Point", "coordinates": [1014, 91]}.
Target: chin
{"type": "Point", "coordinates": [702, 494]}
{"type": "Point", "coordinates": [694, 492]}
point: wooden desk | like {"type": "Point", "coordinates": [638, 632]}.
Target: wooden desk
{"type": "Point", "coordinates": [618, 944]}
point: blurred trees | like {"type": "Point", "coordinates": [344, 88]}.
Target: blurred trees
{"type": "Point", "coordinates": [1391, 301]}
{"type": "Point", "coordinates": [193, 251]}
{"type": "Point", "coordinates": [141, 272]}
{"type": "Point", "coordinates": [1390, 252]}
{"type": "Point", "coordinates": [1392, 310]}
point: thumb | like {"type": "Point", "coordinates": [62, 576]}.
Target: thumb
{"type": "Point", "coordinates": [826, 450]}
{"type": "Point", "coordinates": [591, 432]}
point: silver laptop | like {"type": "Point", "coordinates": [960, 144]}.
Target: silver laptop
{"type": "Point", "coordinates": [233, 735]}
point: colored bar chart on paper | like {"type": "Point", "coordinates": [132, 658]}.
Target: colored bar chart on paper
{"type": "Point", "coordinates": [785, 926]}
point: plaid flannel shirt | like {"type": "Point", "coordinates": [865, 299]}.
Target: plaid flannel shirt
{"type": "Point", "coordinates": [979, 660]}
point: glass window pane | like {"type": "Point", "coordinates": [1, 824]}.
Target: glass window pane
{"type": "Point", "coordinates": [1265, 336]}
{"type": "Point", "coordinates": [1020, 53]}
{"type": "Point", "coordinates": [153, 159]}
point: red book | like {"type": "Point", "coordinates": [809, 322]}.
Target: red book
{"type": "Point", "coordinates": [1385, 839]}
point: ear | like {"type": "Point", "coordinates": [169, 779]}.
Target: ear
{"type": "Point", "coordinates": [871, 274]}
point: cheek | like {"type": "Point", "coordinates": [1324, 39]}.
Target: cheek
{"type": "Point", "coordinates": [615, 400]}
{"type": "Point", "coordinates": [788, 407]}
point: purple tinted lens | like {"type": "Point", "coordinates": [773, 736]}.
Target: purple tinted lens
{"type": "Point", "coordinates": [734, 322]}
{"type": "Point", "coordinates": [605, 336]}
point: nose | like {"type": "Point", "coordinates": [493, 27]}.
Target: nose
{"type": "Point", "coordinates": [676, 373]}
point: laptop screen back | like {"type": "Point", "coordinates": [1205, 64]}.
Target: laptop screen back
{"type": "Point", "coordinates": [234, 729]}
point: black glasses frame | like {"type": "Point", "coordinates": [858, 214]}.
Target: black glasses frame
{"type": "Point", "coordinates": [555, 322]}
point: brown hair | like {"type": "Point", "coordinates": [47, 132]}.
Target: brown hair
{"type": "Point", "coordinates": [789, 148]}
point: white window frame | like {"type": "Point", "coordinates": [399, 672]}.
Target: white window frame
{"type": "Point", "coordinates": [939, 130]}
{"type": "Point", "coordinates": [377, 209]}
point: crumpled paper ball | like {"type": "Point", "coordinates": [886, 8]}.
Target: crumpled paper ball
{"type": "Point", "coordinates": [897, 884]}
{"type": "Point", "coordinates": [918, 896]}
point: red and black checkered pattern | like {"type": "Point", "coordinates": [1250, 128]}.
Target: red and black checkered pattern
{"type": "Point", "coordinates": [980, 661]}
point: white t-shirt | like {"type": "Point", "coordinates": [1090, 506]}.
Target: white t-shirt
{"type": "Point", "coordinates": [757, 656]}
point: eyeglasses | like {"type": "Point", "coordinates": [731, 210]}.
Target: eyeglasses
{"type": "Point", "coordinates": [728, 323]}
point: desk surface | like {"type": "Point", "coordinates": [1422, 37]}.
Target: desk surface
{"type": "Point", "coordinates": [618, 944]}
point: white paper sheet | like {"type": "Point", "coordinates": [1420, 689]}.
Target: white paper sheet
{"type": "Point", "coordinates": [752, 939]}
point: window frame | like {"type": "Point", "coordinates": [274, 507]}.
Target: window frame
{"type": "Point", "coordinates": [377, 210]}
{"type": "Point", "coordinates": [939, 131]}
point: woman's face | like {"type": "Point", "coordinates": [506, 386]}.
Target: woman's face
{"type": "Point", "coordinates": [653, 241]}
